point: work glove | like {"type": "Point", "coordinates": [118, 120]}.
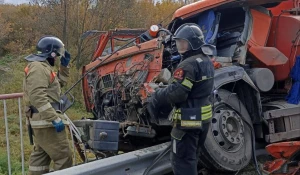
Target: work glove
{"type": "Point", "coordinates": [58, 124]}
{"type": "Point", "coordinates": [64, 61]}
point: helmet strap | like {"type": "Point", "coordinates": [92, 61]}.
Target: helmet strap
{"type": "Point", "coordinates": [186, 54]}
{"type": "Point", "coordinates": [51, 61]}
{"type": "Point", "coordinates": [190, 53]}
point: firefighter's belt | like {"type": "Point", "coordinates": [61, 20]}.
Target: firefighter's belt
{"type": "Point", "coordinates": [192, 118]}
{"type": "Point", "coordinates": [44, 123]}
{"type": "Point", "coordinates": [56, 106]}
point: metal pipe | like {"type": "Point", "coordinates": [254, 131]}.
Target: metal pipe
{"type": "Point", "coordinates": [7, 140]}
{"type": "Point", "coordinates": [21, 135]}
{"type": "Point", "coordinates": [10, 96]}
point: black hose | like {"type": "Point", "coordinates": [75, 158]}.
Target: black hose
{"type": "Point", "coordinates": [103, 61]}
{"type": "Point", "coordinates": [253, 146]}
{"type": "Point", "coordinates": [158, 158]}
{"type": "Point", "coordinates": [113, 90]}
{"type": "Point", "coordinates": [252, 138]}
{"type": "Point", "coordinates": [165, 30]}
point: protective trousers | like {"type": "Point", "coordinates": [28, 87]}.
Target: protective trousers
{"type": "Point", "coordinates": [49, 145]}
{"type": "Point", "coordinates": [185, 152]}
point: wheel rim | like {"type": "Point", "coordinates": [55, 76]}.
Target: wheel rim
{"type": "Point", "coordinates": [228, 129]}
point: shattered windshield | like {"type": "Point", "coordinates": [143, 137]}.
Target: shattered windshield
{"type": "Point", "coordinates": [116, 43]}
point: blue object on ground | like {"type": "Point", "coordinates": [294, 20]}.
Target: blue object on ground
{"type": "Point", "coordinates": [294, 93]}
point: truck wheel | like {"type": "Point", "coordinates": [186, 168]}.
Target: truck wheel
{"type": "Point", "coordinates": [227, 145]}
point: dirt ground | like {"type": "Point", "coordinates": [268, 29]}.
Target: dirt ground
{"type": "Point", "coordinates": [250, 169]}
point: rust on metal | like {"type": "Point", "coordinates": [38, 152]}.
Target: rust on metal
{"type": "Point", "coordinates": [10, 96]}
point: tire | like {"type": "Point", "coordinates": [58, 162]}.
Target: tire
{"type": "Point", "coordinates": [221, 152]}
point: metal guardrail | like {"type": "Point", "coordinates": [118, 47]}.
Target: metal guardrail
{"type": "Point", "coordinates": [133, 163]}
{"type": "Point", "coordinates": [5, 97]}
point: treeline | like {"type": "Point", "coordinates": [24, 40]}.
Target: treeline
{"type": "Point", "coordinates": [21, 26]}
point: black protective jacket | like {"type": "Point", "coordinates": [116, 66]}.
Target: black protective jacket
{"type": "Point", "coordinates": [192, 84]}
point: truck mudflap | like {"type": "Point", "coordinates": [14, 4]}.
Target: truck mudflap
{"type": "Point", "coordinates": [283, 121]}
{"type": "Point", "coordinates": [287, 156]}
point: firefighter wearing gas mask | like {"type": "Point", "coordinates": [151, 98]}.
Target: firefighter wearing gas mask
{"type": "Point", "coordinates": [189, 92]}
{"type": "Point", "coordinates": [42, 90]}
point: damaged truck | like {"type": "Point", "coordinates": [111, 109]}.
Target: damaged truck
{"type": "Point", "coordinates": [257, 44]}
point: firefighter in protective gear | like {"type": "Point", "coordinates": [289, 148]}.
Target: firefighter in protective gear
{"type": "Point", "coordinates": [42, 89]}
{"type": "Point", "coordinates": [188, 94]}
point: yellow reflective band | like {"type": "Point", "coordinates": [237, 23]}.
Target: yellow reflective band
{"type": "Point", "coordinates": [206, 113]}
{"type": "Point", "coordinates": [187, 83]}
{"type": "Point", "coordinates": [204, 79]}
{"type": "Point", "coordinates": [44, 123]}
{"type": "Point", "coordinates": [207, 116]}
{"type": "Point", "coordinates": [40, 124]}
{"type": "Point", "coordinates": [177, 115]}
{"type": "Point", "coordinates": [191, 123]}
{"type": "Point", "coordinates": [38, 168]}
{"type": "Point", "coordinates": [175, 137]}
{"type": "Point", "coordinates": [206, 109]}
{"type": "Point", "coordinates": [44, 107]}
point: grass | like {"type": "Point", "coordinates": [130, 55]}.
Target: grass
{"type": "Point", "coordinates": [16, 165]}
{"type": "Point", "coordinates": [15, 147]}
{"type": "Point", "coordinates": [11, 82]}
{"type": "Point", "coordinates": [4, 61]}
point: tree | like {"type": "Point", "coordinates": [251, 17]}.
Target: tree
{"type": "Point", "coordinates": [67, 19]}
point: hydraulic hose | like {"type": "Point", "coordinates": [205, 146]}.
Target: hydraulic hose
{"type": "Point", "coordinates": [252, 138]}
{"type": "Point", "coordinates": [157, 159]}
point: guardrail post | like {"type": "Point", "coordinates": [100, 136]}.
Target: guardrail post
{"type": "Point", "coordinates": [7, 139]}
{"type": "Point", "coordinates": [21, 135]}
{"type": "Point", "coordinates": [4, 97]}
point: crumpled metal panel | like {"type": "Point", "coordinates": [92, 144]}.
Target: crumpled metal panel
{"type": "Point", "coordinates": [230, 74]}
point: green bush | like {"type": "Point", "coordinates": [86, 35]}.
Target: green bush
{"type": "Point", "coordinates": [16, 165]}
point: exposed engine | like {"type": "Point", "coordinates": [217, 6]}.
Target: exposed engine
{"type": "Point", "coordinates": [116, 95]}
{"type": "Point", "coordinates": [120, 89]}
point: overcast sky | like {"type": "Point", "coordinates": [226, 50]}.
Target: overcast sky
{"type": "Point", "coordinates": [16, 1]}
